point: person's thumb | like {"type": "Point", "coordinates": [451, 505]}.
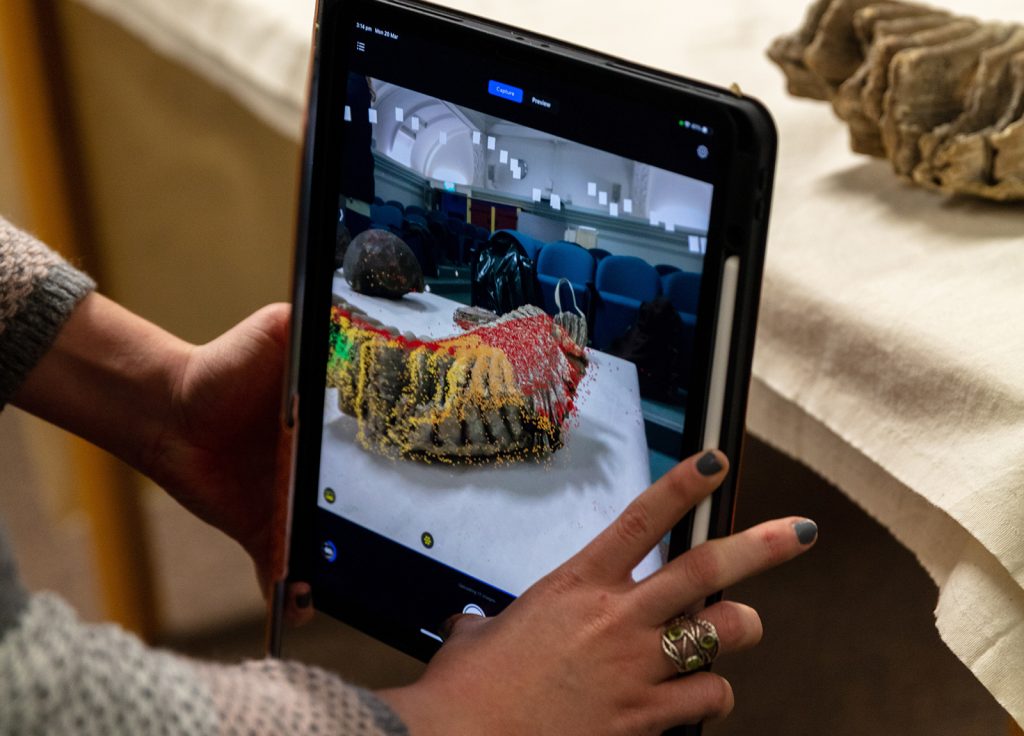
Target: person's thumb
{"type": "Point", "coordinates": [460, 624]}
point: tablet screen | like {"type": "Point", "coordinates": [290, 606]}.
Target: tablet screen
{"type": "Point", "coordinates": [481, 428]}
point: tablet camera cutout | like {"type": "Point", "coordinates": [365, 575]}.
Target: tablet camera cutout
{"type": "Point", "coordinates": [427, 539]}
{"type": "Point", "coordinates": [329, 551]}
{"type": "Point", "coordinates": [702, 152]}
{"type": "Point", "coordinates": [329, 495]}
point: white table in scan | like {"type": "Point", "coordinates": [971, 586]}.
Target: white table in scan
{"type": "Point", "coordinates": [507, 524]}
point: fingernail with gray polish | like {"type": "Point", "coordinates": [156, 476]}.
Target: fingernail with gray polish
{"type": "Point", "coordinates": [708, 463]}
{"type": "Point", "coordinates": [806, 531]}
{"type": "Point", "coordinates": [303, 600]}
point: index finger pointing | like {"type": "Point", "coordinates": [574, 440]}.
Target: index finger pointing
{"type": "Point", "coordinates": [626, 541]}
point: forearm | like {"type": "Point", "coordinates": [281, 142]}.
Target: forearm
{"type": "Point", "coordinates": [203, 422]}
{"type": "Point", "coordinates": [109, 377]}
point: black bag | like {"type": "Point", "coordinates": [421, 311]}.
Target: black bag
{"type": "Point", "coordinates": [657, 344]}
{"type": "Point", "coordinates": [503, 275]}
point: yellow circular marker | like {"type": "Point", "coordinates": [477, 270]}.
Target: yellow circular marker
{"type": "Point", "coordinates": [329, 495]}
{"type": "Point", "coordinates": [428, 539]}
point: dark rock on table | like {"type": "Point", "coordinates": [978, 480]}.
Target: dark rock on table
{"type": "Point", "coordinates": [379, 263]}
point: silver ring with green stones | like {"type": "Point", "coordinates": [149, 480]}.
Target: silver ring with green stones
{"type": "Point", "coordinates": [690, 642]}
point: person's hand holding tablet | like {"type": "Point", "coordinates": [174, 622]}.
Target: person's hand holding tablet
{"type": "Point", "coordinates": [588, 634]}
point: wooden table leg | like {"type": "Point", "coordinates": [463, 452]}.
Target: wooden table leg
{"type": "Point", "coordinates": [54, 193]}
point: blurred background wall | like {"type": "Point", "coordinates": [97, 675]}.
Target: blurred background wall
{"type": "Point", "coordinates": [33, 454]}
{"type": "Point", "coordinates": [192, 204]}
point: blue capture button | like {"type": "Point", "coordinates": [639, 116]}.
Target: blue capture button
{"type": "Point", "coordinates": [505, 91]}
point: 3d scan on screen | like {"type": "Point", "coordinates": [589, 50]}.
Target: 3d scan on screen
{"type": "Point", "coordinates": [510, 333]}
{"type": "Point", "coordinates": [500, 391]}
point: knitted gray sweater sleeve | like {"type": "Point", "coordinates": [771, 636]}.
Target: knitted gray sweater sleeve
{"type": "Point", "coordinates": [59, 675]}
{"type": "Point", "coordinates": [38, 291]}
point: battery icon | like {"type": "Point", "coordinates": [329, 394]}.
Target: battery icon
{"type": "Point", "coordinates": [694, 126]}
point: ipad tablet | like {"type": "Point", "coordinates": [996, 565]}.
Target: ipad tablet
{"type": "Point", "coordinates": [583, 238]}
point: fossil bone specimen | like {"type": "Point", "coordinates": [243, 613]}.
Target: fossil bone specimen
{"type": "Point", "coordinates": [501, 391]}
{"type": "Point", "coordinates": [942, 97]}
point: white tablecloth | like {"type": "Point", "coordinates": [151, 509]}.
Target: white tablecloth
{"type": "Point", "coordinates": [891, 346]}
{"type": "Point", "coordinates": [509, 524]}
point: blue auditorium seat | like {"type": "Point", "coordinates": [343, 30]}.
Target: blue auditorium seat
{"type": "Point", "coordinates": [454, 238]}
{"type": "Point", "coordinates": [416, 219]}
{"type": "Point", "coordinates": [387, 216]}
{"type": "Point", "coordinates": [623, 283]}
{"type": "Point", "coordinates": [417, 235]}
{"type": "Point", "coordinates": [599, 253]}
{"type": "Point", "coordinates": [683, 290]}
{"type": "Point", "coordinates": [396, 204]}
{"type": "Point", "coordinates": [664, 269]}
{"type": "Point", "coordinates": [560, 260]}
{"type": "Point", "coordinates": [444, 242]}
